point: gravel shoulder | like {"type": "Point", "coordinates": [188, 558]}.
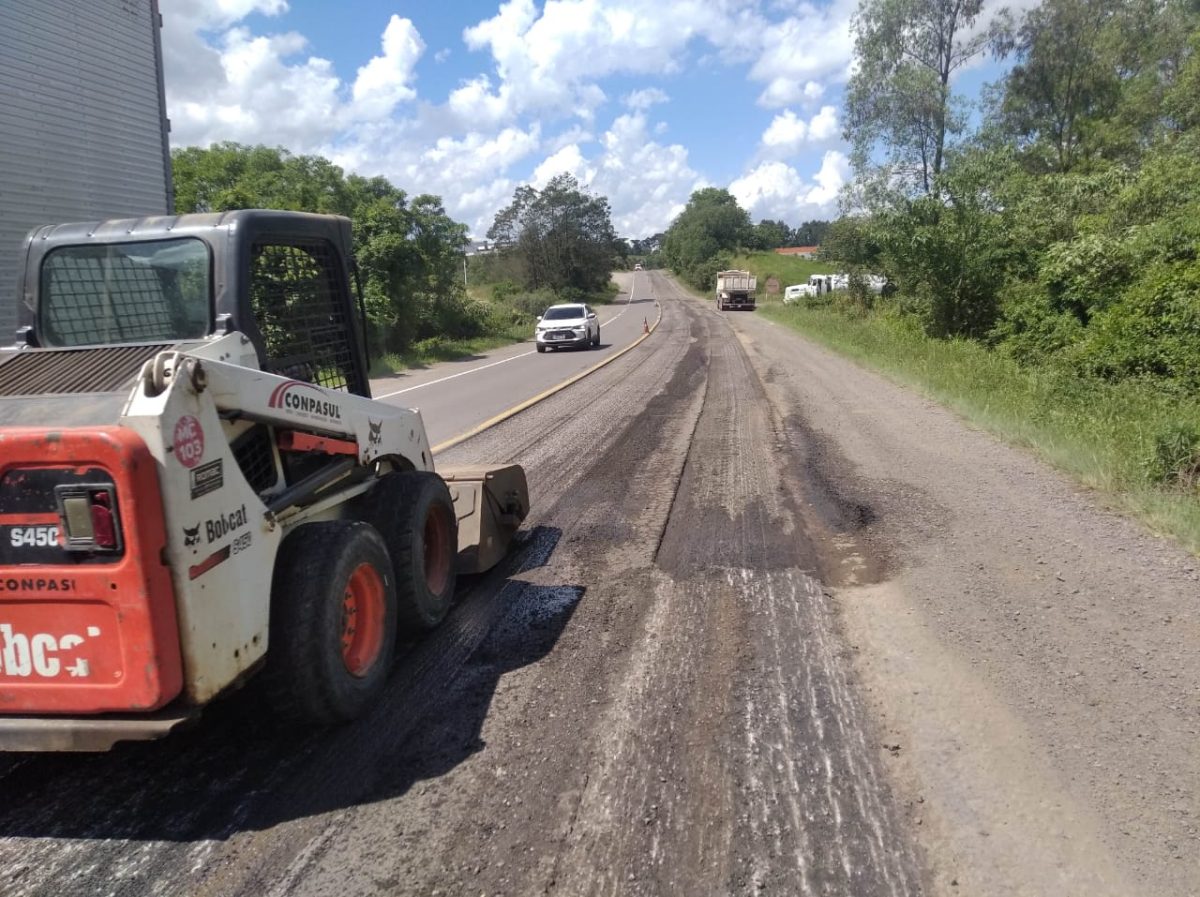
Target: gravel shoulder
{"type": "Point", "coordinates": [1033, 658]}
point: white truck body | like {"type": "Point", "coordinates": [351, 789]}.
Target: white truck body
{"type": "Point", "coordinates": [735, 289]}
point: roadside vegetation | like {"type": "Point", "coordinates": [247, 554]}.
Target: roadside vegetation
{"type": "Point", "coordinates": [786, 269]}
{"type": "Point", "coordinates": [426, 299]}
{"type": "Point", "coordinates": [1043, 268]}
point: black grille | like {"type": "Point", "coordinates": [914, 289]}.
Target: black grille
{"type": "Point", "coordinates": [296, 296]}
{"type": "Point", "coordinates": [255, 458]}
{"type": "Point", "coordinates": [35, 372]}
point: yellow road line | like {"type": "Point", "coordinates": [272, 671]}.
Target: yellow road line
{"type": "Point", "coordinates": [542, 396]}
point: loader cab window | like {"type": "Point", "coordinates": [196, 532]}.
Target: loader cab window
{"type": "Point", "coordinates": [298, 296]}
{"type": "Point", "coordinates": [148, 291]}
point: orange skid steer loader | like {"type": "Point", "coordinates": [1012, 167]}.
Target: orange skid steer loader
{"type": "Point", "coordinates": [196, 486]}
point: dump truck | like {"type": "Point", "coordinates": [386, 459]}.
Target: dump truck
{"type": "Point", "coordinates": [197, 489]}
{"type": "Point", "coordinates": [735, 289]}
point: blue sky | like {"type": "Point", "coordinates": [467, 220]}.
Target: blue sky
{"type": "Point", "coordinates": [643, 100]}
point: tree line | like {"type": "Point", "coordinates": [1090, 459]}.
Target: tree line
{"type": "Point", "coordinates": [713, 226]}
{"type": "Point", "coordinates": [1064, 228]}
{"type": "Point", "coordinates": [1059, 224]}
{"type": "Point", "coordinates": [557, 242]}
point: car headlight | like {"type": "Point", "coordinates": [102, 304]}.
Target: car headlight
{"type": "Point", "coordinates": [580, 327]}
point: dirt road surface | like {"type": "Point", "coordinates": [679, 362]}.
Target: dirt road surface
{"type": "Point", "coordinates": [777, 626]}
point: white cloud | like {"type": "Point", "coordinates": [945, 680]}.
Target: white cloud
{"type": "Point", "coordinates": [264, 88]}
{"type": "Point", "coordinates": [533, 105]}
{"type": "Point", "coordinates": [469, 172]}
{"type": "Point", "coordinates": [824, 125]}
{"type": "Point", "coordinates": [776, 190]}
{"type": "Point", "coordinates": [248, 89]}
{"type": "Point", "coordinates": [803, 51]}
{"type": "Point", "coordinates": [645, 98]}
{"type": "Point", "coordinates": [384, 81]}
{"type": "Point", "coordinates": [788, 134]}
{"type": "Point", "coordinates": [550, 61]}
{"type": "Point", "coordinates": [646, 182]}
{"type": "Point", "coordinates": [568, 160]}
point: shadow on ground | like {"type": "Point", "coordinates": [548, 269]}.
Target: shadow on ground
{"type": "Point", "coordinates": [236, 770]}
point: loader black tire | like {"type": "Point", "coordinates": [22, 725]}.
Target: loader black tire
{"type": "Point", "coordinates": [414, 512]}
{"type": "Point", "coordinates": [333, 623]}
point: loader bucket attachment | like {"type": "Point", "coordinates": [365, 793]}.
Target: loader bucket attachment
{"type": "Point", "coordinates": [490, 503]}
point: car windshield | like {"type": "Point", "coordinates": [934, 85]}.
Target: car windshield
{"type": "Point", "coordinates": [563, 314]}
{"type": "Point", "coordinates": [154, 290]}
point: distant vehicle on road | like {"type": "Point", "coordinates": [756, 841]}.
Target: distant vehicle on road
{"type": "Point", "coordinates": [637, 267]}
{"type": "Point", "coordinates": [567, 325]}
{"type": "Point", "coordinates": [735, 289]}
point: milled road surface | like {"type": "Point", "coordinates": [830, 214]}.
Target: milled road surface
{"type": "Point", "coordinates": [777, 626]}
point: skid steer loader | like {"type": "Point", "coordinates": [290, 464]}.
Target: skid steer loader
{"type": "Point", "coordinates": [196, 486]}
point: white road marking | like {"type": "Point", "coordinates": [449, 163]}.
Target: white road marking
{"type": "Point", "coordinates": [493, 364]}
{"type": "Point", "coordinates": [453, 376]}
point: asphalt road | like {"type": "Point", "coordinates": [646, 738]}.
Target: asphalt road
{"type": "Point", "coordinates": [454, 397]}
{"type": "Point", "coordinates": [775, 626]}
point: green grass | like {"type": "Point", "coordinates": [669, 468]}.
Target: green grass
{"type": "Point", "coordinates": [431, 351]}
{"type": "Point", "coordinates": [788, 269]}
{"type": "Point", "coordinates": [1101, 433]}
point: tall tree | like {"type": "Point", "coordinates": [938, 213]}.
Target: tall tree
{"type": "Point", "coordinates": [768, 234]}
{"type": "Point", "coordinates": [810, 233]}
{"type": "Point", "coordinates": [899, 99]}
{"type": "Point", "coordinates": [562, 235]}
{"type": "Point", "coordinates": [409, 253]}
{"type": "Point", "coordinates": [710, 224]}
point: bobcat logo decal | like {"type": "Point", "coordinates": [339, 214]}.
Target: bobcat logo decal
{"type": "Point", "coordinates": [376, 435]}
{"type": "Point", "coordinates": [191, 536]}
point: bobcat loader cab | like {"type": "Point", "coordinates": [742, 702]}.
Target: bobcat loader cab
{"type": "Point", "coordinates": [196, 487]}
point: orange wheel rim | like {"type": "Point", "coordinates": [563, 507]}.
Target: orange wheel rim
{"type": "Point", "coordinates": [439, 553]}
{"type": "Point", "coordinates": [363, 611]}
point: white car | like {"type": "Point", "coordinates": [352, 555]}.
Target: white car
{"type": "Point", "coordinates": [637, 267]}
{"type": "Point", "coordinates": [567, 325]}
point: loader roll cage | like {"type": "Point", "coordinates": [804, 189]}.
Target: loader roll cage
{"type": "Point", "coordinates": [279, 278]}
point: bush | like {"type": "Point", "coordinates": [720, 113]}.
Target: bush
{"type": "Point", "coordinates": [534, 302]}
{"type": "Point", "coordinates": [1153, 331]}
{"type": "Point", "coordinates": [505, 290]}
{"type": "Point", "coordinates": [1031, 329]}
{"type": "Point", "coordinates": [1174, 459]}
{"type": "Point", "coordinates": [1085, 275]}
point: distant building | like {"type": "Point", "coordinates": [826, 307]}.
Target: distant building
{"type": "Point", "coordinates": [804, 252]}
{"type": "Point", "coordinates": [481, 247]}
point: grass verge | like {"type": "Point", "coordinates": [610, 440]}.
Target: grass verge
{"type": "Point", "coordinates": [787, 269]}
{"type": "Point", "coordinates": [1104, 434]}
{"type": "Point", "coordinates": [431, 351]}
